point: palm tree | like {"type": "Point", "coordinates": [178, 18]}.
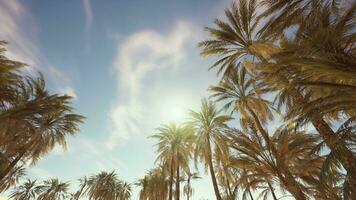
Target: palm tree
{"type": "Point", "coordinates": [83, 184]}
{"type": "Point", "coordinates": [32, 121]}
{"type": "Point", "coordinates": [106, 186]}
{"type": "Point", "coordinates": [209, 124]}
{"type": "Point", "coordinates": [26, 191]}
{"type": "Point", "coordinates": [154, 185]}
{"type": "Point", "coordinates": [287, 159]}
{"type": "Point", "coordinates": [238, 39]}
{"type": "Point", "coordinates": [125, 191]}
{"type": "Point", "coordinates": [188, 190]}
{"type": "Point", "coordinates": [321, 48]}
{"type": "Point", "coordinates": [174, 150]}
{"type": "Point", "coordinates": [12, 179]}
{"type": "Point", "coordinates": [238, 90]}
{"type": "Point", "coordinates": [53, 189]}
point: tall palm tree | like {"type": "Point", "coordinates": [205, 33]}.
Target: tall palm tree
{"type": "Point", "coordinates": [53, 189]}
{"type": "Point", "coordinates": [174, 150]}
{"type": "Point", "coordinates": [28, 190]}
{"type": "Point", "coordinates": [320, 50]}
{"type": "Point", "coordinates": [209, 125]}
{"type": "Point", "coordinates": [188, 190]}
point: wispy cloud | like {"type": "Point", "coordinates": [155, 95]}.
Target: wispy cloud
{"type": "Point", "coordinates": [139, 55]}
{"type": "Point", "coordinates": [18, 27]}
{"type": "Point", "coordinates": [88, 13]}
{"type": "Point", "coordinates": [21, 48]}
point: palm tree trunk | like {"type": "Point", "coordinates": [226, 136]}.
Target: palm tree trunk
{"type": "Point", "coordinates": [177, 181]}
{"type": "Point", "coordinates": [212, 174]}
{"type": "Point", "coordinates": [249, 192]}
{"type": "Point", "coordinates": [13, 163]}
{"type": "Point", "coordinates": [272, 191]}
{"type": "Point", "coordinates": [259, 125]}
{"type": "Point", "coordinates": [228, 183]}
{"type": "Point", "coordinates": [171, 181]}
{"type": "Point", "coordinates": [188, 186]}
{"type": "Point", "coordinates": [347, 158]}
{"type": "Point", "coordinates": [291, 185]}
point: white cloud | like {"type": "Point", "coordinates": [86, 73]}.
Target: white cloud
{"type": "Point", "coordinates": [21, 48]}
{"type": "Point", "coordinates": [88, 13]}
{"type": "Point", "coordinates": [19, 28]}
{"type": "Point", "coordinates": [139, 55]}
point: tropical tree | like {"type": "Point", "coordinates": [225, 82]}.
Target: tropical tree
{"type": "Point", "coordinates": [125, 191]}
{"type": "Point", "coordinates": [53, 189]}
{"type": "Point", "coordinates": [304, 54]}
{"type": "Point", "coordinates": [154, 185]}
{"type": "Point", "coordinates": [32, 121]}
{"type": "Point", "coordinates": [13, 178]}
{"type": "Point", "coordinates": [209, 125]}
{"type": "Point", "coordinates": [107, 186]}
{"type": "Point", "coordinates": [80, 192]}
{"type": "Point", "coordinates": [188, 189]}
{"type": "Point", "coordinates": [28, 190]}
{"type": "Point", "coordinates": [174, 148]}
{"type": "Point", "coordinates": [237, 90]}
{"type": "Point", "coordinates": [287, 159]}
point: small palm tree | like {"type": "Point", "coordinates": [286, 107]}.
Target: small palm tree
{"type": "Point", "coordinates": [53, 189]}
{"type": "Point", "coordinates": [83, 184]}
{"type": "Point", "coordinates": [188, 190]}
{"type": "Point", "coordinates": [28, 190]}
{"type": "Point", "coordinates": [107, 186]}
{"type": "Point", "coordinates": [154, 185]}
{"type": "Point", "coordinates": [125, 191]}
{"type": "Point", "coordinates": [175, 144]}
{"type": "Point", "coordinates": [209, 125]}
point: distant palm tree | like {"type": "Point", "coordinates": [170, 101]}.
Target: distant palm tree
{"type": "Point", "coordinates": [28, 190]}
{"type": "Point", "coordinates": [83, 184]}
{"type": "Point", "coordinates": [209, 124]}
{"type": "Point", "coordinates": [154, 185]}
{"type": "Point", "coordinates": [188, 190]}
{"type": "Point", "coordinates": [125, 191]}
{"type": "Point", "coordinates": [174, 148]}
{"type": "Point", "coordinates": [53, 189]}
{"type": "Point", "coordinates": [107, 186]}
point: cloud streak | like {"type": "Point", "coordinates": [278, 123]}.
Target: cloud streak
{"type": "Point", "coordinates": [88, 13]}
{"type": "Point", "coordinates": [19, 29]}
{"type": "Point", "coordinates": [141, 54]}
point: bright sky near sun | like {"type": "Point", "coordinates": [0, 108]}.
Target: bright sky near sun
{"type": "Point", "coordinates": [131, 65]}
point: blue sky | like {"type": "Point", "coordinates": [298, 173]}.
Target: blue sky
{"type": "Point", "coordinates": [131, 66]}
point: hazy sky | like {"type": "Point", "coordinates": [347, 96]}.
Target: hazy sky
{"type": "Point", "coordinates": [132, 65]}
